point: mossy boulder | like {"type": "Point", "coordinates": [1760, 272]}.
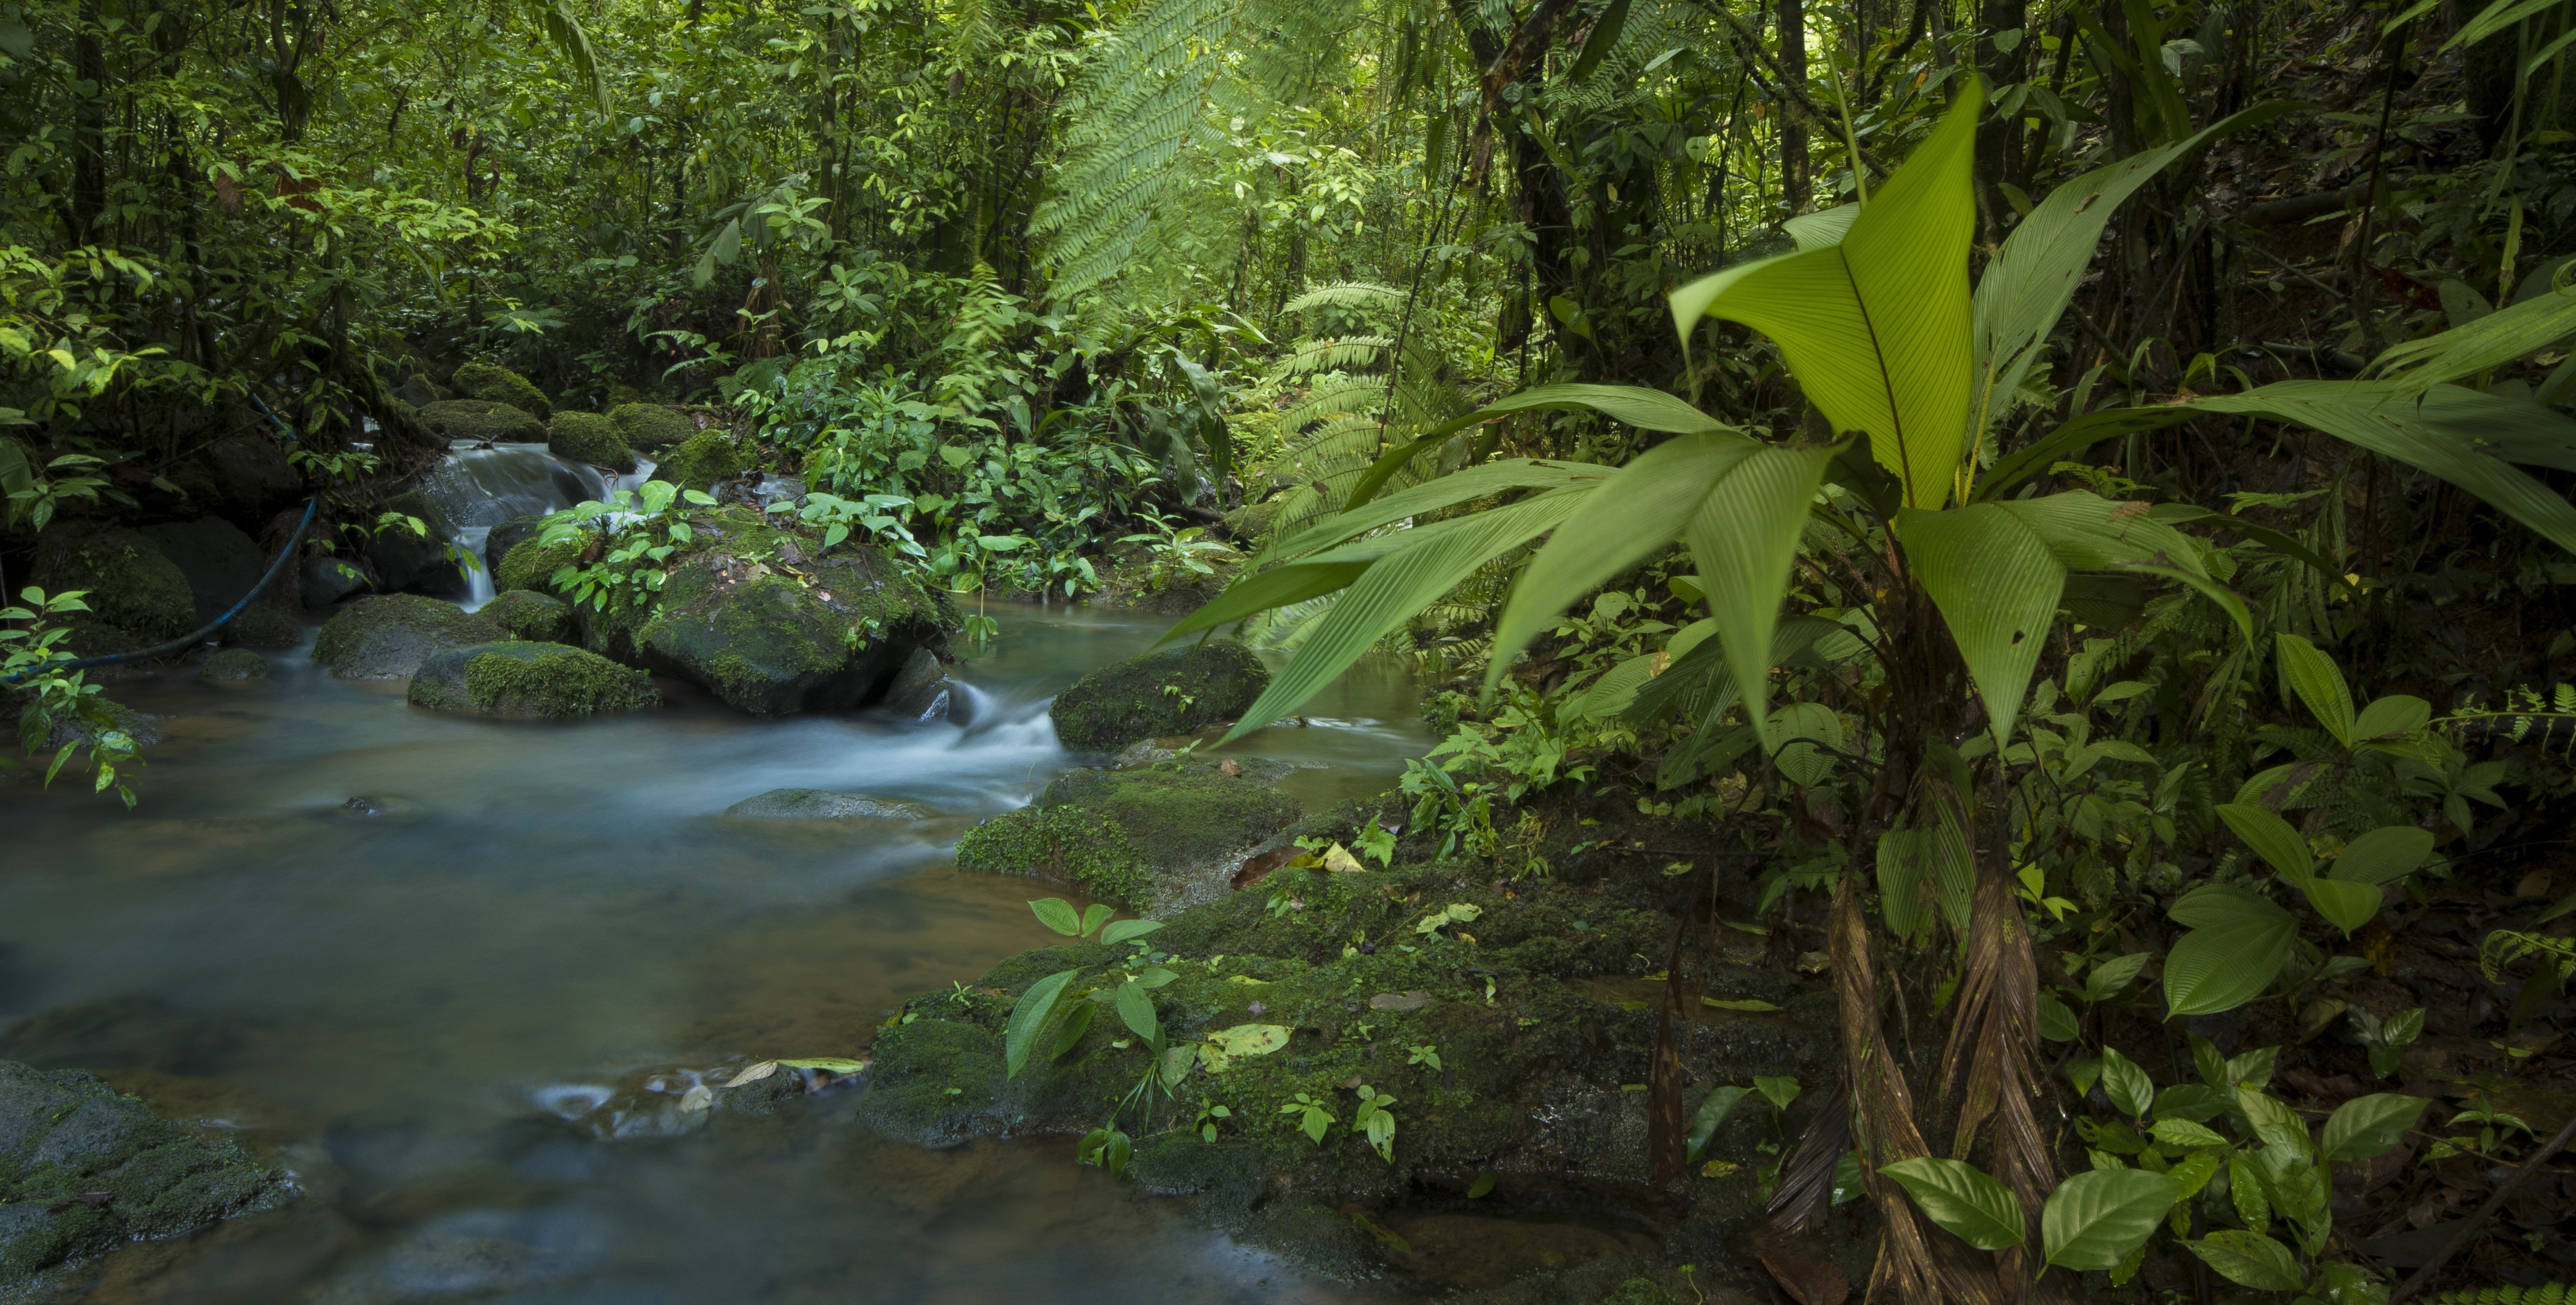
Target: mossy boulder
{"type": "Point", "coordinates": [652, 427]}
{"type": "Point", "coordinates": [589, 437]}
{"type": "Point", "coordinates": [494, 384]}
{"type": "Point", "coordinates": [324, 581]}
{"type": "Point", "coordinates": [220, 561]}
{"type": "Point", "coordinates": [265, 628]}
{"type": "Point", "coordinates": [827, 635]}
{"type": "Point", "coordinates": [1175, 691]}
{"type": "Point", "coordinates": [531, 563]}
{"type": "Point", "coordinates": [419, 563]}
{"type": "Point", "coordinates": [529, 615]}
{"type": "Point", "coordinates": [388, 636]}
{"type": "Point", "coordinates": [701, 460]}
{"type": "Point", "coordinates": [233, 666]}
{"type": "Point", "coordinates": [1071, 845]}
{"type": "Point", "coordinates": [529, 681]}
{"type": "Point", "coordinates": [84, 1170]}
{"type": "Point", "coordinates": [483, 421]}
{"type": "Point", "coordinates": [133, 589]}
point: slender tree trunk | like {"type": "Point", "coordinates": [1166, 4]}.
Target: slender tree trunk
{"type": "Point", "coordinates": [89, 128]}
{"type": "Point", "coordinates": [1794, 185]}
{"type": "Point", "coordinates": [1999, 137]}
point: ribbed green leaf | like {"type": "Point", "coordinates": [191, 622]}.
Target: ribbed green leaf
{"type": "Point", "coordinates": [2383, 855]}
{"type": "Point", "coordinates": [1904, 859]}
{"type": "Point", "coordinates": [1877, 326]}
{"type": "Point", "coordinates": [2483, 345]}
{"type": "Point", "coordinates": [1447, 491]}
{"type": "Point", "coordinates": [2272, 839]}
{"type": "Point", "coordinates": [2319, 683]}
{"type": "Point", "coordinates": [1605, 33]}
{"type": "Point", "coordinates": [1997, 584]}
{"type": "Point", "coordinates": [2250, 1259]}
{"type": "Point", "coordinates": [2369, 1126]}
{"type": "Point", "coordinates": [1632, 517]}
{"type": "Point", "coordinates": [1263, 590]}
{"type": "Point", "coordinates": [2091, 533]}
{"type": "Point", "coordinates": [1617, 688]}
{"type": "Point", "coordinates": [2227, 962]}
{"type": "Point", "coordinates": [2345, 904]}
{"type": "Point", "coordinates": [1963, 1199]}
{"type": "Point", "coordinates": [565, 31]}
{"type": "Point", "coordinates": [1712, 1112]}
{"type": "Point", "coordinates": [2015, 468]}
{"type": "Point", "coordinates": [2387, 420]}
{"type": "Point", "coordinates": [2093, 1220]}
{"type": "Point", "coordinates": [2220, 904]}
{"type": "Point", "coordinates": [1747, 530]}
{"type": "Point", "coordinates": [2394, 716]}
{"type": "Point", "coordinates": [1029, 1016]}
{"type": "Point", "coordinates": [1136, 1009]}
{"type": "Point", "coordinates": [1057, 914]}
{"type": "Point", "coordinates": [1821, 229]}
{"type": "Point", "coordinates": [1642, 408]}
{"type": "Point", "coordinates": [1397, 586]}
{"type": "Point", "coordinates": [2502, 426]}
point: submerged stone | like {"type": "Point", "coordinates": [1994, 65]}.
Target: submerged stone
{"type": "Point", "coordinates": [388, 636]}
{"type": "Point", "coordinates": [324, 581]}
{"type": "Point", "coordinates": [530, 681]}
{"type": "Point", "coordinates": [921, 691]}
{"type": "Point", "coordinates": [818, 804]}
{"type": "Point", "coordinates": [233, 666]}
{"type": "Point", "coordinates": [84, 1170]}
{"type": "Point", "coordinates": [1165, 835]}
{"type": "Point", "coordinates": [264, 628]}
{"type": "Point", "coordinates": [1175, 691]}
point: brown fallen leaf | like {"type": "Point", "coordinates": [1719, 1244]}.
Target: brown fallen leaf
{"type": "Point", "coordinates": [753, 1073]}
{"type": "Point", "coordinates": [1229, 767]}
{"type": "Point", "coordinates": [1797, 1261]}
{"type": "Point", "coordinates": [1257, 868]}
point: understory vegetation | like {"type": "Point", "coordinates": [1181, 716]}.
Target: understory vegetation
{"type": "Point", "coordinates": [2060, 511]}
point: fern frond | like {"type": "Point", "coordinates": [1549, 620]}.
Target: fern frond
{"type": "Point", "coordinates": [2556, 1293]}
{"type": "Point", "coordinates": [1365, 295]}
{"type": "Point", "coordinates": [2504, 947]}
{"type": "Point", "coordinates": [1330, 355]}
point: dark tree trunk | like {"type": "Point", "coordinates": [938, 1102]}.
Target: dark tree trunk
{"type": "Point", "coordinates": [1999, 137]}
{"type": "Point", "coordinates": [1794, 185]}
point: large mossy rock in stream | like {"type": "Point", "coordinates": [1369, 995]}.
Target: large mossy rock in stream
{"type": "Point", "coordinates": [589, 437]}
{"type": "Point", "coordinates": [529, 681]}
{"type": "Point", "coordinates": [1174, 691]}
{"type": "Point", "coordinates": [1530, 996]}
{"type": "Point", "coordinates": [494, 384]}
{"type": "Point", "coordinates": [388, 636]}
{"type": "Point", "coordinates": [137, 596]}
{"type": "Point", "coordinates": [829, 636]}
{"type": "Point", "coordinates": [701, 460]}
{"type": "Point", "coordinates": [652, 427]}
{"type": "Point", "coordinates": [527, 614]}
{"type": "Point", "coordinates": [528, 563]}
{"type": "Point", "coordinates": [483, 421]}
{"type": "Point", "coordinates": [84, 1170]}
{"type": "Point", "coordinates": [1165, 835]}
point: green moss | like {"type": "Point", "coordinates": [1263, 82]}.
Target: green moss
{"type": "Point", "coordinates": [477, 380]}
{"type": "Point", "coordinates": [589, 437]}
{"type": "Point", "coordinates": [529, 615]}
{"type": "Point", "coordinates": [531, 564]}
{"type": "Point", "coordinates": [651, 426]}
{"type": "Point", "coordinates": [1176, 691]}
{"type": "Point", "coordinates": [483, 420]}
{"type": "Point", "coordinates": [701, 460]}
{"type": "Point", "coordinates": [542, 681]}
{"type": "Point", "coordinates": [1184, 815]}
{"type": "Point", "coordinates": [1068, 843]}
{"type": "Point", "coordinates": [129, 584]}
{"type": "Point", "coordinates": [388, 636]}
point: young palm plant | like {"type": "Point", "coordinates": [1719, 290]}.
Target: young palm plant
{"type": "Point", "coordinates": [1960, 567]}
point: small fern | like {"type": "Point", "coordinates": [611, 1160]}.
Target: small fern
{"type": "Point", "coordinates": [2556, 1293]}
{"type": "Point", "coordinates": [2505, 947]}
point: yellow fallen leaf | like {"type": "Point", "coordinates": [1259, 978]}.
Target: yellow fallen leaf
{"type": "Point", "coordinates": [753, 1073]}
{"type": "Point", "coordinates": [1338, 859]}
{"type": "Point", "coordinates": [836, 1064]}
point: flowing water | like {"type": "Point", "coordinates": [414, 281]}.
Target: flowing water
{"type": "Point", "coordinates": [402, 996]}
{"type": "Point", "coordinates": [483, 485]}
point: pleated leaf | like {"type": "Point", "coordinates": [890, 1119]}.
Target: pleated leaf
{"type": "Point", "coordinates": [1642, 408]}
{"type": "Point", "coordinates": [2091, 533]}
{"type": "Point", "coordinates": [2492, 341]}
{"type": "Point", "coordinates": [1264, 590]}
{"type": "Point", "coordinates": [1746, 530]}
{"type": "Point", "coordinates": [2237, 946]}
{"type": "Point", "coordinates": [1877, 326]}
{"type": "Point", "coordinates": [2319, 683]}
{"type": "Point", "coordinates": [2272, 839]}
{"type": "Point", "coordinates": [1447, 491]}
{"type": "Point", "coordinates": [1397, 586]}
{"type": "Point", "coordinates": [1997, 584]}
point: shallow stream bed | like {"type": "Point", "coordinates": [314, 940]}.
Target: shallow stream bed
{"type": "Point", "coordinates": [401, 995]}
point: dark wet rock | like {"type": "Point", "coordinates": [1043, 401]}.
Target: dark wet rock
{"type": "Point", "coordinates": [1128, 581]}
{"type": "Point", "coordinates": [530, 563]}
{"type": "Point", "coordinates": [921, 691]}
{"type": "Point", "coordinates": [493, 384]}
{"type": "Point", "coordinates": [265, 628]}
{"type": "Point", "coordinates": [324, 581]}
{"type": "Point", "coordinates": [380, 807]}
{"type": "Point", "coordinates": [817, 804]}
{"type": "Point", "coordinates": [220, 563]}
{"type": "Point", "coordinates": [527, 614]}
{"type": "Point", "coordinates": [652, 427]}
{"type": "Point", "coordinates": [1168, 834]}
{"type": "Point", "coordinates": [132, 587]}
{"type": "Point", "coordinates": [388, 636]}
{"type": "Point", "coordinates": [242, 478]}
{"type": "Point", "coordinates": [405, 562]}
{"type": "Point", "coordinates": [498, 542]}
{"type": "Point", "coordinates": [701, 460]}
{"type": "Point", "coordinates": [675, 1100]}
{"type": "Point", "coordinates": [84, 1170]}
{"type": "Point", "coordinates": [1174, 691]}
{"type": "Point", "coordinates": [483, 421]}
{"type": "Point", "coordinates": [233, 666]}
{"type": "Point", "coordinates": [529, 681]}
{"type": "Point", "coordinates": [589, 437]}
{"type": "Point", "coordinates": [772, 642]}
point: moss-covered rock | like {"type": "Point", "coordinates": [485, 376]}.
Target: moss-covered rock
{"type": "Point", "coordinates": [233, 666]}
{"type": "Point", "coordinates": [84, 1170]}
{"type": "Point", "coordinates": [388, 636]}
{"type": "Point", "coordinates": [323, 581]}
{"type": "Point", "coordinates": [589, 437]}
{"type": "Point", "coordinates": [827, 635]}
{"type": "Point", "coordinates": [1192, 822]}
{"type": "Point", "coordinates": [529, 681]}
{"type": "Point", "coordinates": [265, 628]}
{"type": "Point", "coordinates": [529, 615]}
{"type": "Point", "coordinates": [129, 584]}
{"type": "Point", "coordinates": [494, 384]}
{"type": "Point", "coordinates": [1250, 522]}
{"type": "Point", "coordinates": [484, 421]}
{"type": "Point", "coordinates": [701, 460]}
{"type": "Point", "coordinates": [652, 427]}
{"type": "Point", "coordinates": [500, 539]}
{"type": "Point", "coordinates": [220, 562]}
{"type": "Point", "coordinates": [1068, 844]}
{"type": "Point", "coordinates": [1175, 691]}
{"type": "Point", "coordinates": [530, 563]}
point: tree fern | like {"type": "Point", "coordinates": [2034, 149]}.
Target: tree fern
{"type": "Point", "coordinates": [2556, 1293]}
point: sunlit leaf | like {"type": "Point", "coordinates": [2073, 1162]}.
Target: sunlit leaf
{"type": "Point", "coordinates": [1963, 1199]}
{"type": "Point", "coordinates": [2093, 1220]}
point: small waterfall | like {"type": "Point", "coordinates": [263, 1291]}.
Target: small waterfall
{"type": "Point", "coordinates": [483, 485]}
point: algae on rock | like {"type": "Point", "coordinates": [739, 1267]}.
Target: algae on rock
{"type": "Point", "coordinates": [131, 587]}
{"type": "Point", "coordinates": [1066, 843]}
{"type": "Point", "coordinates": [530, 681]}
{"type": "Point", "coordinates": [483, 421]}
{"type": "Point", "coordinates": [589, 437]}
{"type": "Point", "coordinates": [701, 460]}
{"type": "Point", "coordinates": [652, 427]}
{"type": "Point", "coordinates": [476, 380]}
{"type": "Point", "coordinates": [388, 636]}
{"type": "Point", "coordinates": [1174, 691]}
{"type": "Point", "coordinates": [530, 615]}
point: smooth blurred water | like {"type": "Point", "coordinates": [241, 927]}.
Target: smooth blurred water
{"type": "Point", "coordinates": [539, 909]}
